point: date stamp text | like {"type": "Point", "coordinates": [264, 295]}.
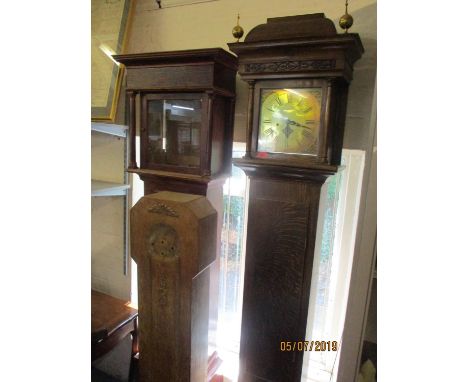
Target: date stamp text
{"type": "Point", "coordinates": [308, 345]}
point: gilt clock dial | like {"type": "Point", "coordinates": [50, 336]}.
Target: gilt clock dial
{"type": "Point", "coordinates": [289, 120]}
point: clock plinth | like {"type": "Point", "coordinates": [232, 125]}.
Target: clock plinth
{"type": "Point", "coordinates": [298, 70]}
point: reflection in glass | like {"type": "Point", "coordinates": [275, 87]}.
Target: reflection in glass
{"type": "Point", "coordinates": [174, 132]}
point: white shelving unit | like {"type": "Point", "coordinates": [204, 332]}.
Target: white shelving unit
{"type": "Point", "coordinates": [100, 188]}
{"type": "Point", "coordinates": [109, 210]}
{"type": "Point", "coordinates": [111, 129]}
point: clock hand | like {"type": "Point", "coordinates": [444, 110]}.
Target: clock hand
{"type": "Point", "coordinates": [287, 131]}
{"type": "Point", "coordinates": [298, 124]}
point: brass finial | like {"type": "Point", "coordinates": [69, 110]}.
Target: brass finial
{"type": "Point", "coordinates": [238, 31]}
{"type": "Point", "coordinates": [346, 21]}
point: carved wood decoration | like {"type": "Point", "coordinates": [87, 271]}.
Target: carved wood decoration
{"type": "Point", "coordinates": [290, 66]}
{"type": "Point", "coordinates": [173, 241]}
{"type": "Point", "coordinates": [291, 54]}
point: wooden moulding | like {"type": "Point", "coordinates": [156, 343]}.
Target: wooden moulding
{"type": "Point", "coordinates": [185, 70]}
{"type": "Point", "coordinates": [173, 241]}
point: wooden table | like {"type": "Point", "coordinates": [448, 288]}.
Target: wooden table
{"type": "Point", "coordinates": [111, 321]}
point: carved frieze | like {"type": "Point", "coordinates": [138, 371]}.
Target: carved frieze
{"type": "Point", "coordinates": [290, 66]}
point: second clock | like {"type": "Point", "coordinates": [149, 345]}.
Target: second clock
{"type": "Point", "coordinates": [298, 70]}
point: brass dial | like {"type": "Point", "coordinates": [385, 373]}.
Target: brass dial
{"type": "Point", "coordinates": [289, 120]}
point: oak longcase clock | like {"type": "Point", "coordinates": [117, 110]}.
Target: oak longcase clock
{"type": "Point", "coordinates": [298, 70]}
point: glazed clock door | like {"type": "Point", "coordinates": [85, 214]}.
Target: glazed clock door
{"type": "Point", "coordinates": [172, 131]}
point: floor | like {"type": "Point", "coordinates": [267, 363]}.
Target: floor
{"type": "Point", "coordinates": [115, 365]}
{"type": "Point", "coordinates": [99, 376]}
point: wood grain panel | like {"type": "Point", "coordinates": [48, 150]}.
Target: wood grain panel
{"type": "Point", "coordinates": [279, 256]}
{"type": "Point", "coordinates": [170, 77]}
{"type": "Point", "coordinates": [274, 277]}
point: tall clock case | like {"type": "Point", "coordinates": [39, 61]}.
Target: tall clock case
{"type": "Point", "coordinates": [298, 71]}
{"type": "Point", "coordinates": [301, 130]}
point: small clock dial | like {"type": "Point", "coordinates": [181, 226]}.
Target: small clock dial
{"type": "Point", "coordinates": [289, 120]}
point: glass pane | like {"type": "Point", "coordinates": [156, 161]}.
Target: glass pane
{"type": "Point", "coordinates": [335, 242]}
{"type": "Point", "coordinates": [289, 120]}
{"type": "Point", "coordinates": [330, 205]}
{"type": "Point", "coordinates": [321, 312]}
{"type": "Point", "coordinates": [174, 132]}
{"type": "Point", "coordinates": [231, 268]}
